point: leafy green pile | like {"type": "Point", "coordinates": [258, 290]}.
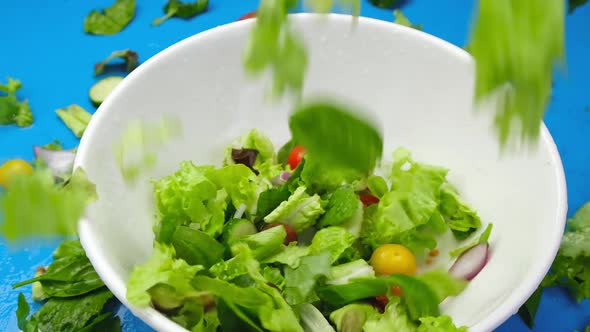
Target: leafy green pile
{"type": "Point", "coordinates": [571, 268]}
{"type": "Point", "coordinates": [218, 262]}
{"type": "Point", "coordinates": [516, 44]}
{"type": "Point", "coordinates": [76, 298]}
{"type": "Point", "coordinates": [13, 111]}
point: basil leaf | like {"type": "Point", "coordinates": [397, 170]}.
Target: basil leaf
{"type": "Point", "coordinates": [22, 311]}
{"type": "Point", "coordinates": [528, 311]}
{"type": "Point", "coordinates": [196, 247]}
{"type": "Point", "coordinates": [110, 20]}
{"type": "Point", "coordinates": [335, 137]}
{"type": "Point", "coordinates": [177, 8]}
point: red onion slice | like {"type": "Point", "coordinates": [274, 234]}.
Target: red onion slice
{"type": "Point", "coordinates": [59, 161]}
{"type": "Point", "coordinates": [471, 262]}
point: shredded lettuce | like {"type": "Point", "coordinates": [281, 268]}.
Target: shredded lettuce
{"type": "Point", "coordinates": [300, 282]}
{"type": "Point", "coordinates": [333, 240]}
{"type": "Point", "coordinates": [352, 317]}
{"type": "Point", "coordinates": [343, 273]}
{"type": "Point", "coordinates": [241, 184]}
{"type": "Point", "coordinates": [300, 211]}
{"type": "Point", "coordinates": [161, 268]}
{"type": "Point", "coordinates": [461, 218]}
{"type": "Point", "coordinates": [291, 255]}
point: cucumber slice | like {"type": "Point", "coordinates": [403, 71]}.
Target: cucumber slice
{"type": "Point", "coordinates": [102, 88]}
{"type": "Point", "coordinates": [236, 229]}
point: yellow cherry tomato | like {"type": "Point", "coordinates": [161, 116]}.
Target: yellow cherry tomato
{"type": "Point", "coordinates": [12, 168]}
{"type": "Point", "coordinates": [393, 259]}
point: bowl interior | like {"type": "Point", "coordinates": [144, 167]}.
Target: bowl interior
{"type": "Point", "coordinates": [418, 87]}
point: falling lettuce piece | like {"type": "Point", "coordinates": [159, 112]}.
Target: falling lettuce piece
{"type": "Point", "coordinates": [352, 317]}
{"type": "Point", "coordinates": [110, 20]}
{"type": "Point", "coordinates": [131, 59]}
{"type": "Point", "coordinates": [320, 178]}
{"type": "Point", "coordinates": [356, 145]}
{"type": "Point", "coordinates": [37, 292]}
{"type": "Point", "coordinates": [300, 282]}
{"type": "Point", "coordinates": [312, 320]}
{"type": "Point", "coordinates": [528, 310]}
{"type": "Point", "coordinates": [461, 218]}
{"type": "Point", "coordinates": [35, 206]}
{"type": "Point", "coordinates": [272, 44]}
{"type": "Point", "coordinates": [483, 238]}
{"type": "Point", "coordinates": [401, 19]}
{"type": "Point", "coordinates": [300, 211]}
{"type": "Point", "coordinates": [13, 111]}
{"type": "Point", "coordinates": [135, 151]}
{"type": "Point", "coordinates": [22, 311]}
{"type": "Point", "coordinates": [572, 6]}
{"type": "Point", "coordinates": [411, 203]}
{"type": "Point", "coordinates": [291, 255]}
{"type": "Point", "coordinates": [515, 45]}
{"type": "Point", "coordinates": [189, 197]}
{"type": "Point", "coordinates": [177, 8]}
{"type": "Point", "coordinates": [161, 268]}
{"type": "Point", "coordinates": [75, 117]}
{"type": "Point", "coordinates": [79, 182]}
{"type": "Point", "coordinates": [333, 240]}
{"type": "Point", "coordinates": [344, 273]}
{"type": "Point", "coordinates": [342, 206]}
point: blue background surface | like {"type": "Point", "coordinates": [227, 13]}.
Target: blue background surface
{"type": "Point", "coordinates": [43, 44]}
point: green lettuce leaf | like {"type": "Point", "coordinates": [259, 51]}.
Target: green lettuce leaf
{"type": "Point", "coordinates": [189, 196]}
{"type": "Point", "coordinates": [161, 268]}
{"type": "Point", "coordinates": [291, 255]}
{"type": "Point", "coordinates": [342, 206]}
{"type": "Point", "coordinates": [266, 243]}
{"type": "Point", "coordinates": [241, 184]}
{"type": "Point", "coordinates": [352, 317]}
{"type": "Point", "coordinates": [110, 20]}
{"type": "Point", "coordinates": [515, 45]}
{"type": "Point", "coordinates": [312, 319]}
{"type": "Point", "coordinates": [256, 140]}
{"type": "Point", "coordinates": [196, 247]}
{"type": "Point", "coordinates": [401, 19]}
{"type": "Point", "coordinates": [442, 283]}
{"type": "Point", "coordinates": [395, 318]}
{"type": "Point", "coordinates": [333, 240]}
{"type": "Point", "coordinates": [130, 57]}
{"type": "Point", "coordinates": [461, 218]}
{"type": "Point", "coordinates": [344, 273]}
{"type": "Point", "coordinates": [300, 211]}
{"type": "Point", "coordinates": [13, 111]}
{"type": "Point", "coordinates": [412, 202]}
{"type": "Point", "coordinates": [377, 185]}
{"type": "Point", "coordinates": [300, 282]}
{"type": "Point", "coordinates": [356, 145]}
{"type": "Point", "coordinates": [320, 178]}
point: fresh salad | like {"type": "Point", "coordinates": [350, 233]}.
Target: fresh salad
{"type": "Point", "coordinates": [296, 241]}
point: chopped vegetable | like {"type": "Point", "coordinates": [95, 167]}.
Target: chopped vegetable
{"type": "Point", "coordinates": [12, 168]}
{"type": "Point", "coordinates": [177, 8]}
{"type": "Point", "coordinates": [247, 16]}
{"type": "Point", "coordinates": [391, 259]}
{"type": "Point", "coordinates": [383, 3]}
{"type": "Point", "coordinates": [401, 19]}
{"type": "Point", "coordinates": [196, 247]}
{"type": "Point", "coordinates": [471, 262]}
{"type": "Point", "coordinates": [574, 4]}
{"type": "Point", "coordinates": [76, 118]}
{"type": "Point", "coordinates": [103, 88]}
{"type": "Point", "coordinates": [300, 210]}
{"type": "Point", "coordinates": [130, 58]}
{"type": "Point", "coordinates": [342, 206]}
{"type": "Point", "coordinates": [300, 282]}
{"type": "Point", "coordinates": [483, 238]}
{"type": "Point", "coordinates": [13, 111]}
{"type": "Point", "coordinates": [291, 233]}
{"type": "Point", "coordinates": [352, 317]}
{"type": "Point", "coordinates": [344, 273]}
{"type": "Point", "coordinates": [312, 319]}
{"type": "Point", "coordinates": [333, 241]}
{"type": "Point", "coordinates": [60, 162]}
{"type": "Point", "coordinates": [110, 20]}
{"type": "Point", "coordinates": [460, 217]}
{"type": "Point", "coordinates": [515, 45]}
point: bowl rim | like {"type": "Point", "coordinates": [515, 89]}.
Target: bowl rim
{"type": "Point", "coordinates": [158, 321]}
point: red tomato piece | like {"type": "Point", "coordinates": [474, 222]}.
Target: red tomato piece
{"type": "Point", "coordinates": [369, 199]}
{"type": "Point", "coordinates": [247, 16]}
{"type": "Point", "coordinates": [296, 155]}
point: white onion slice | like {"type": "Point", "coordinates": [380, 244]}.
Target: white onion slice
{"type": "Point", "coordinates": [60, 162]}
{"type": "Point", "coordinates": [471, 262]}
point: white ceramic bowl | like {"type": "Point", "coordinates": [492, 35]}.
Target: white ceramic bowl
{"type": "Point", "coordinates": [419, 87]}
